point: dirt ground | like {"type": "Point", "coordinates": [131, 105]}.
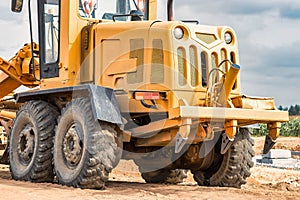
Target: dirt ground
{"type": "Point", "coordinates": [126, 183]}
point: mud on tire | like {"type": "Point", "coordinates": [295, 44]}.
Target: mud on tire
{"type": "Point", "coordinates": [176, 176]}
{"type": "Point", "coordinates": [233, 167]}
{"type": "Point", "coordinates": [31, 142]}
{"type": "Point", "coordinates": [85, 151]}
{"type": "Point", "coordinates": [165, 176]}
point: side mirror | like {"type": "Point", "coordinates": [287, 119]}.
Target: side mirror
{"type": "Point", "coordinates": [16, 5]}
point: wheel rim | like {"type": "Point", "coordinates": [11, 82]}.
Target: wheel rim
{"type": "Point", "coordinates": [26, 145]}
{"type": "Point", "coordinates": [73, 145]}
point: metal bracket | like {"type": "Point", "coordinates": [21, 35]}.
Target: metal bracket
{"type": "Point", "coordinates": [226, 143]}
{"type": "Point", "coordinates": [180, 142]}
{"type": "Point", "coordinates": [269, 143]}
{"type": "Point", "coordinates": [274, 131]}
{"type": "Point", "coordinates": [231, 129]}
{"type": "Point", "coordinates": [183, 134]}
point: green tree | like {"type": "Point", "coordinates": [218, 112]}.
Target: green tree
{"type": "Point", "coordinates": [263, 130]}
{"type": "Point", "coordinates": [292, 110]}
{"type": "Point", "coordinates": [297, 109]}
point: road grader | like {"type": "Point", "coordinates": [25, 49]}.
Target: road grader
{"type": "Point", "coordinates": [127, 81]}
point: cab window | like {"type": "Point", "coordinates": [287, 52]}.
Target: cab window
{"type": "Point", "coordinates": [49, 12]}
{"type": "Point", "coordinates": [104, 9]}
{"type": "Point", "coordinates": [51, 32]}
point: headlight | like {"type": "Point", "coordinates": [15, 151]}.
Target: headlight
{"type": "Point", "coordinates": [228, 38]}
{"type": "Point", "coordinates": [178, 33]}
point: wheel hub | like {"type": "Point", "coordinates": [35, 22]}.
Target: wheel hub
{"type": "Point", "coordinates": [26, 144]}
{"type": "Point", "coordinates": [72, 146]}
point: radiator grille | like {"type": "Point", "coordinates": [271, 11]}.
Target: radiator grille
{"type": "Point", "coordinates": [157, 68]}
{"type": "Point", "coordinates": [224, 66]}
{"type": "Point", "coordinates": [194, 66]}
{"type": "Point", "coordinates": [182, 72]}
{"type": "Point", "coordinates": [204, 68]}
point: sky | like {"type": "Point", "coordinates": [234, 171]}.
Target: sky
{"type": "Point", "coordinates": [268, 34]}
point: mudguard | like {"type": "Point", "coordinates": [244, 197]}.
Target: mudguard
{"type": "Point", "coordinates": [104, 103]}
{"type": "Point", "coordinates": [103, 100]}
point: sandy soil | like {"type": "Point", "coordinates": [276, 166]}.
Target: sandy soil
{"type": "Point", "coordinates": [126, 183]}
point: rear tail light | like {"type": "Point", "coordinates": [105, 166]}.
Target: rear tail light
{"type": "Point", "coordinates": [147, 95]}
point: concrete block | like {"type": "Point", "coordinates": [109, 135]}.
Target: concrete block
{"type": "Point", "coordinates": [290, 162]}
{"type": "Point", "coordinates": [278, 154]}
{"type": "Point", "coordinates": [254, 160]}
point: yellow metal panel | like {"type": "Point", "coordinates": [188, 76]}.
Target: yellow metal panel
{"type": "Point", "coordinates": [152, 9]}
{"type": "Point", "coordinates": [233, 114]}
{"type": "Point", "coordinates": [7, 86]}
{"type": "Point", "coordinates": [7, 114]}
{"type": "Point", "coordinates": [137, 49]}
{"type": "Point", "coordinates": [121, 67]}
{"type": "Point", "coordinates": [154, 127]}
{"type": "Point", "coordinates": [260, 103]}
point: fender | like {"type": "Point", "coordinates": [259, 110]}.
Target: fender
{"type": "Point", "coordinates": [103, 100]}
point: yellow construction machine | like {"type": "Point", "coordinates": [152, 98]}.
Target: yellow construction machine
{"type": "Point", "coordinates": [122, 79]}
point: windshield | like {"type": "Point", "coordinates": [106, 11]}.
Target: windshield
{"type": "Point", "coordinates": [51, 23]}
{"type": "Point", "coordinates": [106, 9]}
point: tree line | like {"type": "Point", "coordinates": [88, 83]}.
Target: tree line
{"type": "Point", "coordinates": [293, 110]}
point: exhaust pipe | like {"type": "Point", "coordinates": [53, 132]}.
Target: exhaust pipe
{"type": "Point", "coordinates": [170, 10]}
{"type": "Point", "coordinates": [228, 84]}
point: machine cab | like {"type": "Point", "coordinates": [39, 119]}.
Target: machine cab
{"type": "Point", "coordinates": [54, 24]}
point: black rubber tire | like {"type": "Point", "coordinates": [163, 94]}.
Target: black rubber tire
{"type": "Point", "coordinates": [158, 176]}
{"type": "Point", "coordinates": [233, 167]}
{"type": "Point", "coordinates": [97, 149]}
{"type": "Point", "coordinates": [157, 167]}
{"type": "Point", "coordinates": [31, 142]}
{"type": "Point", "coordinates": [176, 176]}
{"type": "Point", "coordinates": [165, 176]}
